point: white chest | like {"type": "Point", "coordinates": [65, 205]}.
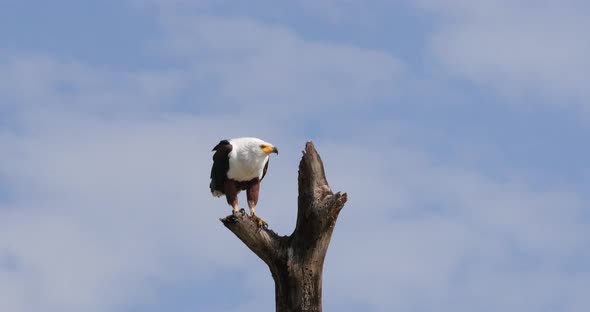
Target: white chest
{"type": "Point", "coordinates": [244, 166]}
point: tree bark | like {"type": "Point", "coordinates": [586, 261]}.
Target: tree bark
{"type": "Point", "coordinates": [296, 261]}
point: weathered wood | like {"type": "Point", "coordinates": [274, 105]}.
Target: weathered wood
{"type": "Point", "coordinates": [296, 261]}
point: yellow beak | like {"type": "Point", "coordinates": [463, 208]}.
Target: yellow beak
{"type": "Point", "coordinates": [270, 149]}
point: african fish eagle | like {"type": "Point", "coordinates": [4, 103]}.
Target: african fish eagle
{"type": "Point", "coordinates": [240, 164]}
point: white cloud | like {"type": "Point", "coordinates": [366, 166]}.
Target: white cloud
{"type": "Point", "coordinates": [100, 211]}
{"type": "Point", "coordinates": [518, 47]}
{"type": "Point", "coordinates": [339, 11]}
{"type": "Point", "coordinates": [257, 66]}
{"type": "Point", "coordinates": [422, 236]}
{"type": "Point", "coordinates": [36, 83]}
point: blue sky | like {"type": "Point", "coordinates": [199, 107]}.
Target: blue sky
{"type": "Point", "coordinates": [458, 129]}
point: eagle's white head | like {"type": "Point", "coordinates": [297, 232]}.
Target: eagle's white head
{"type": "Point", "coordinates": [248, 158]}
{"type": "Point", "coordinates": [255, 147]}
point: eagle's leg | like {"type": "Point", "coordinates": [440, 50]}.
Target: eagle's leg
{"type": "Point", "coordinates": [252, 196]}
{"type": "Point", "coordinates": [231, 194]}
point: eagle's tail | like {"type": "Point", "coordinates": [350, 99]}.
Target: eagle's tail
{"type": "Point", "coordinates": [216, 192]}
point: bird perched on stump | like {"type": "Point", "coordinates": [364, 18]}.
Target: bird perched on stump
{"type": "Point", "coordinates": [240, 164]}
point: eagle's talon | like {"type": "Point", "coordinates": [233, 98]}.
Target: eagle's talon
{"type": "Point", "coordinates": [242, 211]}
{"type": "Point", "coordinates": [259, 222]}
{"type": "Point", "coordinates": [232, 218]}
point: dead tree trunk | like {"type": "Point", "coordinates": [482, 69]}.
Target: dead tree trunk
{"type": "Point", "coordinates": [296, 262]}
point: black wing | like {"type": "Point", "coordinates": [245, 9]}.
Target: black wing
{"type": "Point", "coordinates": [265, 168]}
{"type": "Point", "coordinates": [220, 166]}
